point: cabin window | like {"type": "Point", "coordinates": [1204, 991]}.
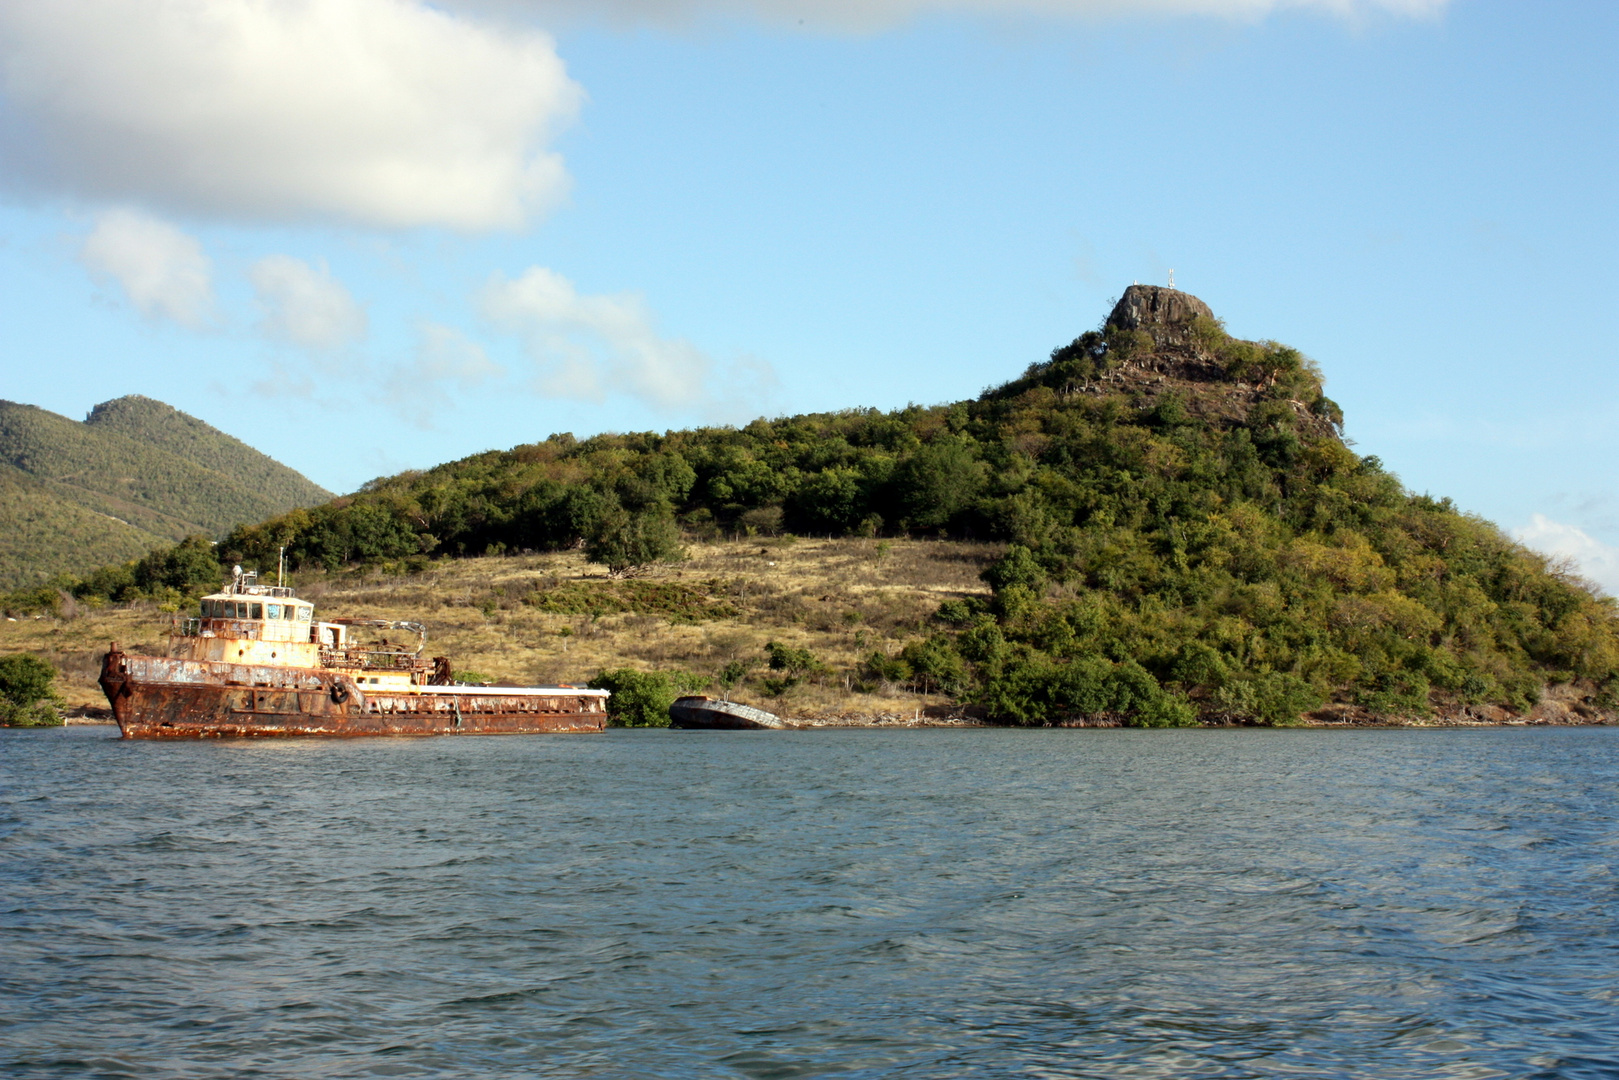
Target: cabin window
{"type": "Point", "coordinates": [273, 611]}
{"type": "Point", "coordinates": [207, 608]}
{"type": "Point", "coordinates": [258, 611]}
{"type": "Point", "coordinates": [305, 613]}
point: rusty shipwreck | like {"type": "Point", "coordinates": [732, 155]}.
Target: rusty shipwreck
{"type": "Point", "coordinates": [255, 662]}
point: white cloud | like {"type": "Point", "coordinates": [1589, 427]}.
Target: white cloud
{"type": "Point", "coordinates": [382, 112]}
{"type": "Point", "coordinates": [163, 271]}
{"type": "Point", "coordinates": [868, 15]}
{"type": "Point", "coordinates": [445, 358]}
{"type": "Point", "coordinates": [305, 305]}
{"type": "Point", "coordinates": [590, 346]}
{"type": "Point", "coordinates": [1593, 559]}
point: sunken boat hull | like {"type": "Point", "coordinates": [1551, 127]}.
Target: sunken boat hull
{"type": "Point", "coordinates": [707, 713]}
{"type": "Point", "coordinates": [154, 697]}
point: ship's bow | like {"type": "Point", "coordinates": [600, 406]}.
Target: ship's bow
{"type": "Point", "coordinates": [115, 684]}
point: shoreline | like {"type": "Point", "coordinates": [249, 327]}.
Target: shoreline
{"type": "Point", "coordinates": [882, 720]}
{"type": "Point", "coordinates": [86, 716]}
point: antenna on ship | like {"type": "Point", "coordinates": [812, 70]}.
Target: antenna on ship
{"type": "Point", "coordinates": [280, 565]}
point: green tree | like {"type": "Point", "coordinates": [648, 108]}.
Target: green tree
{"type": "Point", "coordinates": [628, 543]}
{"type": "Point", "coordinates": [28, 695]}
{"type": "Point", "coordinates": [795, 664]}
{"type": "Point", "coordinates": [937, 482]}
{"type": "Point", "coordinates": [189, 567]}
{"type": "Point", "coordinates": [642, 698]}
{"type": "Point", "coordinates": [1017, 567]}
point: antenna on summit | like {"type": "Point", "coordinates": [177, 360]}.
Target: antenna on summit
{"type": "Point", "coordinates": [1172, 279]}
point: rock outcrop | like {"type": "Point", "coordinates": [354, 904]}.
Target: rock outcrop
{"type": "Point", "coordinates": [1160, 343]}
{"type": "Point", "coordinates": [1166, 314]}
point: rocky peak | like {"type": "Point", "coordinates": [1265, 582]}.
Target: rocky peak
{"type": "Point", "coordinates": [1166, 314]}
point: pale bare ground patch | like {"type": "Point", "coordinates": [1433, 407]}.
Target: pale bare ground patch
{"type": "Point", "coordinates": [841, 599]}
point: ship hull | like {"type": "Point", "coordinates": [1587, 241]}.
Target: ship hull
{"type": "Point", "coordinates": [168, 698]}
{"type": "Point", "coordinates": [705, 713]}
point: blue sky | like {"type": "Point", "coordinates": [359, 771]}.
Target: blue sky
{"type": "Point", "coordinates": [372, 235]}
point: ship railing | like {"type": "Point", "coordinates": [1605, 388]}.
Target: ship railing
{"type": "Point", "coordinates": [387, 624]}
{"type": "Point", "coordinates": [371, 660]}
{"type": "Point", "coordinates": [247, 585]}
{"type": "Point", "coordinates": [185, 626]}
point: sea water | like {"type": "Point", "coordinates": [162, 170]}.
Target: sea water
{"type": "Point", "coordinates": [849, 903]}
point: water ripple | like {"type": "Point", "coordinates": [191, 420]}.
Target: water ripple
{"type": "Point", "coordinates": [1383, 904]}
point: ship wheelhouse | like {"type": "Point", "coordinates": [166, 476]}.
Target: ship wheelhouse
{"type": "Point", "coordinates": [256, 615]}
{"type": "Point", "coordinates": [246, 622]}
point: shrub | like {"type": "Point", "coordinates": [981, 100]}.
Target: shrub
{"type": "Point", "coordinates": [41, 599]}
{"type": "Point", "coordinates": [28, 695]}
{"type": "Point", "coordinates": [955, 612]}
{"type": "Point", "coordinates": [936, 665]}
{"type": "Point", "coordinates": [1396, 693]}
{"type": "Point", "coordinates": [731, 674]}
{"type": "Point", "coordinates": [796, 662]}
{"type": "Point", "coordinates": [39, 714]}
{"type": "Point", "coordinates": [795, 665]}
{"type": "Point", "coordinates": [1271, 698]}
{"type": "Point", "coordinates": [1016, 567]}
{"type": "Point", "coordinates": [1165, 710]}
{"type": "Point", "coordinates": [1031, 689]}
{"type": "Point", "coordinates": [1197, 664]}
{"type": "Point", "coordinates": [642, 698]}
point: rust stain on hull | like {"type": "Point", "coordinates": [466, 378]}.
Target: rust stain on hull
{"type": "Point", "coordinates": [169, 697]}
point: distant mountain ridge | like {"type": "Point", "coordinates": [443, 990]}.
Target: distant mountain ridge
{"type": "Point", "coordinates": [135, 474]}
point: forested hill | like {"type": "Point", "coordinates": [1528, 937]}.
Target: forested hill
{"type": "Point", "coordinates": [1156, 421]}
{"type": "Point", "coordinates": [136, 473]}
{"type": "Point", "coordinates": [168, 429]}
{"type": "Point", "coordinates": [1187, 537]}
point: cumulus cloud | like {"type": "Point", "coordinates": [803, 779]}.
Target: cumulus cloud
{"type": "Point", "coordinates": [163, 271]}
{"type": "Point", "coordinates": [1592, 559]}
{"type": "Point", "coordinates": [304, 305]}
{"type": "Point", "coordinates": [868, 15]}
{"type": "Point", "coordinates": [590, 346]}
{"type": "Point", "coordinates": [445, 359]}
{"type": "Point", "coordinates": [381, 112]}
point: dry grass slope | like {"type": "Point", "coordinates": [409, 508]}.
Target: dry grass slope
{"type": "Point", "coordinates": [555, 618]}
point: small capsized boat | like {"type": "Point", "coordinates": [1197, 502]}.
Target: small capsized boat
{"type": "Point", "coordinates": [707, 712]}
